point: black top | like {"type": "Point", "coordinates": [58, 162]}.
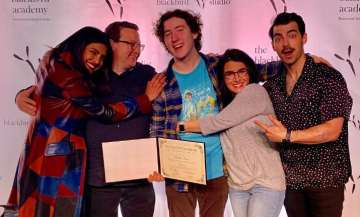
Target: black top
{"type": "Point", "coordinates": [319, 95]}
{"type": "Point", "coordinates": [129, 84]}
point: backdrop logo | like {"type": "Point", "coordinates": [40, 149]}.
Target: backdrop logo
{"type": "Point", "coordinates": [353, 183]}
{"type": "Point", "coordinates": [275, 8]}
{"type": "Point", "coordinates": [349, 10]}
{"type": "Point", "coordinates": [118, 4]}
{"type": "Point", "coordinates": [174, 2]}
{"type": "Point", "coordinates": [26, 59]}
{"type": "Point", "coordinates": [30, 9]}
{"type": "Point", "coordinates": [16, 123]}
{"type": "Point", "coordinates": [262, 56]}
{"type": "Point", "coordinates": [348, 60]}
{"type": "Point", "coordinates": [199, 3]}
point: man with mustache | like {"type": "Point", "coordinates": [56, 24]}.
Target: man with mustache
{"type": "Point", "coordinates": [313, 105]}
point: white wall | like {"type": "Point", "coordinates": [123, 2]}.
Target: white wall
{"type": "Point", "coordinates": [332, 27]}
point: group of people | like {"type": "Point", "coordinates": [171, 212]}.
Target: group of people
{"type": "Point", "coordinates": [285, 142]}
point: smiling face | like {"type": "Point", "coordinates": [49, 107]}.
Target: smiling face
{"type": "Point", "coordinates": [288, 42]}
{"type": "Point", "coordinates": [178, 38]}
{"type": "Point", "coordinates": [126, 50]}
{"type": "Point", "coordinates": [236, 76]}
{"type": "Point", "coordinates": [93, 56]}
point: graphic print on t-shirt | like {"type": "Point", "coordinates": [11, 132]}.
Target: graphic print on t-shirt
{"type": "Point", "coordinates": [197, 103]}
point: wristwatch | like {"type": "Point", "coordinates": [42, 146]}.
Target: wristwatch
{"type": "Point", "coordinates": [287, 137]}
{"type": "Point", "coordinates": [181, 127]}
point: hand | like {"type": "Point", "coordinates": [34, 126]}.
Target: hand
{"type": "Point", "coordinates": [24, 101]}
{"type": "Point", "coordinates": [157, 177]}
{"type": "Point", "coordinates": [321, 60]}
{"type": "Point", "coordinates": [213, 54]}
{"type": "Point", "coordinates": [155, 86]}
{"type": "Point", "coordinates": [275, 132]}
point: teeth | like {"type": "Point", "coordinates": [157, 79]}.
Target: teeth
{"type": "Point", "coordinates": [177, 46]}
{"type": "Point", "coordinates": [91, 66]}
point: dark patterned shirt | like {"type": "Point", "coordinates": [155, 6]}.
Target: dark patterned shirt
{"type": "Point", "coordinates": [319, 95]}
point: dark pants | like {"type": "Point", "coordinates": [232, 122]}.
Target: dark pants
{"type": "Point", "coordinates": [212, 199]}
{"type": "Point", "coordinates": [314, 202]}
{"type": "Point", "coordinates": [134, 201]}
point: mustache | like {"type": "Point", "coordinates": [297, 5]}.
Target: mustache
{"type": "Point", "coordinates": [287, 49]}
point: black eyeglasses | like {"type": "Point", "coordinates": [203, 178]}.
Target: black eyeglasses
{"type": "Point", "coordinates": [133, 45]}
{"type": "Point", "coordinates": [231, 74]}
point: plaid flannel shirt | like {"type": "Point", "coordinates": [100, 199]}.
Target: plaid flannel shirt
{"type": "Point", "coordinates": [167, 107]}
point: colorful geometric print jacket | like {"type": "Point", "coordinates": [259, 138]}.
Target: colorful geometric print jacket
{"type": "Point", "coordinates": [50, 176]}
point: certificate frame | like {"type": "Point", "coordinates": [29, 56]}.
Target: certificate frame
{"type": "Point", "coordinates": [183, 166]}
{"type": "Point", "coordinates": [136, 159]}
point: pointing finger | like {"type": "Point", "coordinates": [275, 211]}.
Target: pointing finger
{"type": "Point", "coordinates": [263, 126]}
{"type": "Point", "coordinates": [275, 121]}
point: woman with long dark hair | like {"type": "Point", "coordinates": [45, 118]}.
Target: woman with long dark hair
{"type": "Point", "coordinates": [50, 176]}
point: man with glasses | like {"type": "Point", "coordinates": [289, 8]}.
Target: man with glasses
{"type": "Point", "coordinates": [126, 78]}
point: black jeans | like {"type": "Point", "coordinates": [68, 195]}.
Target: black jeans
{"type": "Point", "coordinates": [314, 202]}
{"type": "Point", "coordinates": [134, 201]}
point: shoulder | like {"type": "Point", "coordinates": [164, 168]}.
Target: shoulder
{"type": "Point", "coordinates": [327, 75]}
{"type": "Point", "coordinates": [211, 60]}
{"type": "Point", "coordinates": [145, 69]}
{"type": "Point", "coordinates": [272, 82]}
{"type": "Point", "coordinates": [253, 92]}
{"type": "Point", "coordinates": [256, 88]}
{"type": "Point", "coordinates": [61, 71]}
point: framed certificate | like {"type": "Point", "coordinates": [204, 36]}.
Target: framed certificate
{"type": "Point", "coordinates": [137, 159]}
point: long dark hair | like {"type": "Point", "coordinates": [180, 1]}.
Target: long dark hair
{"type": "Point", "coordinates": [76, 43]}
{"type": "Point", "coordinates": [237, 56]}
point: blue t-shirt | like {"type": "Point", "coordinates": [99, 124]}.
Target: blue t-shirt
{"type": "Point", "coordinates": [199, 100]}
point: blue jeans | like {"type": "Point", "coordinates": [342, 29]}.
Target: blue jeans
{"type": "Point", "coordinates": [256, 202]}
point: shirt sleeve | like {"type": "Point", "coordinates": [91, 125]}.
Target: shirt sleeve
{"type": "Point", "coordinates": [336, 100]}
{"type": "Point", "coordinates": [157, 125]}
{"type": "Point", "coordinates": [247, 104]}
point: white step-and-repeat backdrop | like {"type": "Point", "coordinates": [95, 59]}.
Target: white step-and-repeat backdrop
{"type": "Point", "coordinates": [29, 27]}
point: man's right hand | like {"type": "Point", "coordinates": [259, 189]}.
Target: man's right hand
{"type": "Point", "coordinates": [24, 101]}
{"type": "Point", "coordinates": [155, 86]}
{"type": "Point", "coordinates": [155, 177]}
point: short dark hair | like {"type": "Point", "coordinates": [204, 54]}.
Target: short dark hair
{"type": "Point", "coordinates": [113, 29]}
{"type": "Point", "coordinates": [285, 18]}
{"type": "Point", "coordinates": [192, 20]}
{"type": "Point", "coordinates": [77, 42]}
{"type": "Point", "coordinates": [237, 56]}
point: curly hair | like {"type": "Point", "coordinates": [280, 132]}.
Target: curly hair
{"type": "Point", "coordinates": [192, 20]}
